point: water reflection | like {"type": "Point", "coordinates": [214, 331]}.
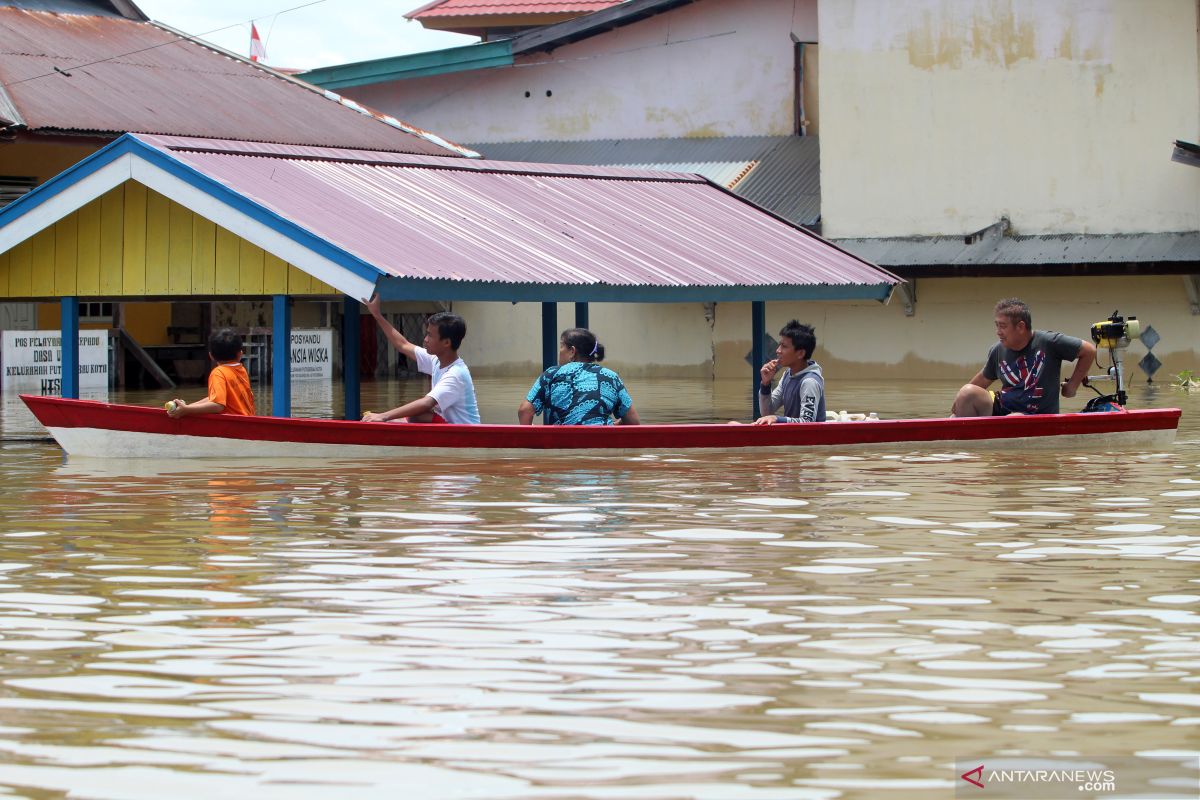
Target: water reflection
{"type": "Point", "coordinates": [754, 627]}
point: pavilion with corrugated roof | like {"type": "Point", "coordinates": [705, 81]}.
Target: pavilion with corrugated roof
{"type": "Point", "coordinates": [236, 219]}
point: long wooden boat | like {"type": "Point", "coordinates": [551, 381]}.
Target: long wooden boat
{"type": "Point", "coordinates": [90, 429]}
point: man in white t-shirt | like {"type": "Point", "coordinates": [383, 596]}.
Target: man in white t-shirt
{"type": "Point", "coordinates": [451, 398]}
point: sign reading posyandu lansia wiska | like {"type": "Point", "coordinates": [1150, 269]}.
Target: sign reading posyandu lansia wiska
{"type": "Point", "coordinates": [311, 354]}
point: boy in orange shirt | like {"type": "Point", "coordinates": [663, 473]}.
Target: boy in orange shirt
{"type": "Point", "coordinates": [228, 384]}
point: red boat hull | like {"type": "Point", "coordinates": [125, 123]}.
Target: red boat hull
{"type": "Point", "coordinates": [93, 429]}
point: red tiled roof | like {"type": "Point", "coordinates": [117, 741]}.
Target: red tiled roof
{"type": "Point", "coordinates": [478, 8]}
{"type": "Point", "coordinates": [92, 74]}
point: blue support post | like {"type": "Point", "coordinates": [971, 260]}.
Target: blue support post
{"type": "Point", "coordinates": [581, 315]}
{"type": "Point", "coordinates": [758, 326]}
{"type": "Point", "coordinates": [70, 347]}
{"type": "Point", "coordinates": [549, 335]}
{"type": "Point", "coordinates": [281, 351]}
{"type": "Point", "coordinates": [350, 375]}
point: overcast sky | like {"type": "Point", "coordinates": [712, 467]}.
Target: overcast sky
{"type": "Point", "coordinates": [311, 34]}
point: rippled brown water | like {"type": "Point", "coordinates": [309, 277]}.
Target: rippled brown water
{"type": "Point", "coordinates": [812, 626]}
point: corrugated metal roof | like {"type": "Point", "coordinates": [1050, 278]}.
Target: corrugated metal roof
{"type": "Point", "coordinates": [721, 161]}
{"type": "Point", "coordinates": [787, 180]}
{"type": "Point", "coordinates": [95, 7]}
{"type": "Point", "coordinates": [780, 173]}
{"type": "Point", "coordinates": [484, 55]}
{"type": "Point", "coordinates": [549, 37]}
{"type": "Point", "coordinates": [477, 8]}
{"type": "Point", "coordinates": [1119, 248]}
{"type": "Point", "coordinates": [518, 223]}
{"type": "Point", "coordinates": [109, 75]}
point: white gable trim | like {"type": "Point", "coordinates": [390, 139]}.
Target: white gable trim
{"type": "Point", "coordinates": [66, 202]}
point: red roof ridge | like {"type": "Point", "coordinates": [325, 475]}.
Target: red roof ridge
{"type": "Point", "coordinates": [479, 8]}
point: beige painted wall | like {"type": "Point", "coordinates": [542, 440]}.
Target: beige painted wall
{"type": "Point", "coordinates": [672, 340]}
{"type": "Point", "coordinates": [712, 68]}
{"type": "Point", "coordinates": [940, 116]}
{"type": "Point", "coordinates": [952, 329]}
{"type": "Point", "coordinates": [947, 338]}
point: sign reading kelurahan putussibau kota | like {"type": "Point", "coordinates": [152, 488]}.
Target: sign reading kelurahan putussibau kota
{"type": "Point", "coordinates": [32, 361]}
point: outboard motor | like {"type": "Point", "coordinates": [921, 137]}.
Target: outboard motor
{"type": "Point", "coordinates": [1115, 334]}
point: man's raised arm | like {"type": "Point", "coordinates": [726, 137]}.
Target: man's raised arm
{"type": "Point", "coordinates": [394, 336]}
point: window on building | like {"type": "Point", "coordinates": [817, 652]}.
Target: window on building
{"type": "Point", "coordinates": [96, 312]}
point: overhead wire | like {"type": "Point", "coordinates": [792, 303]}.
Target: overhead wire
{"type": "Point", "coordinates": [58, 71]}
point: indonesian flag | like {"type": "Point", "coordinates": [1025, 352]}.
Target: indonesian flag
{"type": "Point", "coordinates": [257, 51]}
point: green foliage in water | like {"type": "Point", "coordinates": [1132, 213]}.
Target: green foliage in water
{"type": "Point", "coordinates": [1187, 380]}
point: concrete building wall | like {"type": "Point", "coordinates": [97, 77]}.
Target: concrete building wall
{"type": "Point", "coordinates": [937, 117]}
{"type": "Point", "coordinates": [941, 116]}
{"type": "Point", "coordinates": [946, 339]}
{"type": "Point", "coordinates": [712, 68]}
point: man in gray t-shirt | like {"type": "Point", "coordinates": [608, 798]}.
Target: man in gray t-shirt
{"type": "Point", "coordinates": [1028, 364]}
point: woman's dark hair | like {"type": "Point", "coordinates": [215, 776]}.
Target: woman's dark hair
{"type": "Point", "coordinates": [804, 337]}
{"type": "Point", "coordinates": [449, 326]}
{"type": "Point", "coordinates": [224, 344]}
{"type": "Point", "coordinates": [586, 345]}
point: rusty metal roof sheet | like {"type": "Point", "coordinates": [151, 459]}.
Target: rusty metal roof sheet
{"type": "Point", "coordinates": [97, 7]}
{"type": "Point", "coordinates": [478, 8]}
{"type": "Point", "coordinates": [107, 75]}
{"type": "Point", "coordinates": [504, 223]}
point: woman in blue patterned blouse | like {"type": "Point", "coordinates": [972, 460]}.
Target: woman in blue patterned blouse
{"type": "Point", "coordinates": [578, 391]}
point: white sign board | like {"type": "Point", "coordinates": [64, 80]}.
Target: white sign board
{"type": "Point", "coordinates": [32, 361]}
{"type": "Point", "coordinates": [311, 355]}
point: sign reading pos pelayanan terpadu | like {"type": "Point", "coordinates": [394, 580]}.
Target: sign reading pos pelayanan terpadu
{"type": "Point", "coordinates": [312, 354]}
{"type": "Point", "coordinates": [32, 361]}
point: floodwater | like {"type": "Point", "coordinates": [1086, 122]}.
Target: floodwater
{"type": "Point", "coordinates": [819, 625]}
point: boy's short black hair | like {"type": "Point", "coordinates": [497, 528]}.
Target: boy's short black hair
{"type": "Point", "coordinates": [449, 326]}
{"type": "Point", "coordinates": [224, 344]}
{"type": "Point", "coordinates": [804, 337]}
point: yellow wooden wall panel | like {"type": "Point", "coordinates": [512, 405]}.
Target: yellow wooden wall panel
{"type": "Point", "coordinates": [112, 233]}
{"type": "Point", "coordinates": [275, 274]}
{"type": "Point", "coordinates": [298, 280]}
{"type": "Point", "coordinates": [204, 255]}
{"type": "Point", "coordinates": [229, 263]}
{"type": "Point", "coordinates": [43, 263]}
{"type": "Point", "coordinates": [251, 282]}
{"type": "Point", "coordinates": [133, 251]}
{"type": "Point", "coordinates": [20, 279]}
{"type": "Point", "coordinates": [66, 256]}
{"type": "Point", "coordinates": [134, 242]}
{"type": "Point", "coordinates": [179, 250]}
{"type": "Point", "coordinates": [158, 231]}
{"type": "Point", "coordinates": [88, 252]}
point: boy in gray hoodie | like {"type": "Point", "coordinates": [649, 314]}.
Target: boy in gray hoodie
{"type": "Point", "coordinates": [801, 390]}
